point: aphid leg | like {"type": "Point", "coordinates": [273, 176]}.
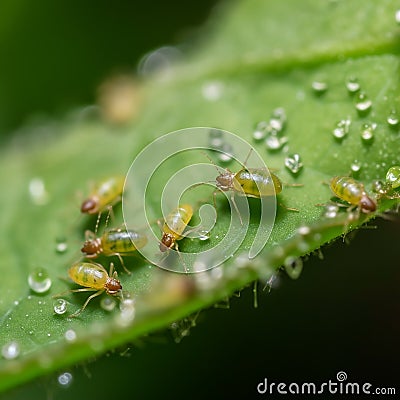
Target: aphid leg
{"type": "Point", "coordinates": [289, 208]}
{"type": "Point", "coordinates": [91, 297]}
{"type": "Point", "coordinates": [181, 258]}
{"type": "Point", "coordinates": [122, 262]}
{"type": "Point", "coordinates": [236, 207]}
{"type": "Point", "coordinates": [89, 235]}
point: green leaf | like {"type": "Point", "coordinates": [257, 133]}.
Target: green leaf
{"type": "Point", "coordinates": [256, 56]}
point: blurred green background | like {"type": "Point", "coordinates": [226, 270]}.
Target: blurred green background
{"type": "Point", "coordinates": [341, 315]}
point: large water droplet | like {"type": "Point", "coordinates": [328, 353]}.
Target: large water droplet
{"type": "Point", "coordinates": [352, 85]}
{"type": "Point", "coordinates": [39, 280]}
{"type": "Point", "coordinates": [10, 350]}
{"type": "Point", "coordinates": [159, 61]}
{"type": "Point", "coordinates": [293, 163]}
{"type": "Point", "coordinates": [65, 379]}
{"type": "Point", "coordinates": [342, 129]}
{"type": "Point", "coordinates": [60, 306]}
{"type": "Point", "coordinates": [363, 103]}
{"type": "Point", "coordinates": [393, 176]}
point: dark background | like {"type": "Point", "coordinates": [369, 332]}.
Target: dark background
{"type": "Point", "coordinates": [343, 314]}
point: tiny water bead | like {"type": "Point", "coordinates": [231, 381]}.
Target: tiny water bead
{"type": "Point", "coordinates": [331, 210]}
{"type": "Point", "coordinates": [107, 303]}
{"type": "Point", "coordinates": [352, 85]}
{"type": "Point", "coordinates": [39, 280]}
{"type": "Point", "coordinates": [380, 187]}
{"type": "Point", "coordinates": [212, 91]}
{"type": "Point", "coordinates": [393, 176]}
{"type": "Point", "coordinates": [319, 87]}
{"type": "Point", "coordinates": [367, 132]}
{"type": "Point", "coordinates": [293, 163]}
{"type": "Point", "coordinates": [204, 235]}
{"type": "Point", "coordinates": [61, 246]}
{"type": "Point", "coordinates": [355, 166]}
{"type": "Point", "coordinates": [393, 119]}
{"type": "Point", "coordinates": [363, 103]}
{"type": "Point", "coordinates": [60, 306]}
{"type": "Point", "coordinates": [260, 131]}
{"type": "Point", "coordinates": [225, 156]}
{"type": "Point", "coordinates": [70, 335]}
{"type": "Point", "coordinates": [293, 267]}
{"type": "Point", "coordinates": [215, 138]}
{"type": "Point", "coordinates": [65, 379]}
{"type": "Point", "coordinates": [10, 350]}
{"type": "Point", "coordinates": [341, 129]}
{"type": "Point", "coordinates": [274, 142]}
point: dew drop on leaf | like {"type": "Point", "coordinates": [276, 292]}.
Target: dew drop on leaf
{"type": "Point", "coordinates": [363, 103]}
{"type": "Point", "coordinates": [10, 350]}
{"type": "Point", "coordinates": [60, 306]}
{"type": "Point", "coordinates": [293, 163]}
{"type": "Point", "coordinates": [39, 280]}
{"type": "Point", "coordinates": [352, 85]}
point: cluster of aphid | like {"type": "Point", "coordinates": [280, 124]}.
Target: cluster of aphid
{"type": "Point", "coordinates": [256, 183]}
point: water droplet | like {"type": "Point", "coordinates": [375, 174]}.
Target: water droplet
{"type": "Point", "coordinates": [304, 230]}
{"type": "Point", "coordinates": [397, 16]}
{"type": "Point", "coordinates": [107, 303]}
{"type": "Point", "coordinates": [381, 187]}
{"type": "Point", "coordinates": [393, 119]}
{"type": "Point", "coordinates": [61, 247]}
{"type": "Point", "coordinates": [65, 379]}
{"type": "Point", "coordinates": [319, 87]}
{"type": "Point", "coordinates": [293, 163]}
{"type": "Point", "coordinates": [260, 131]}
{"type": "Point", "coordinates": [215, 138]}
{"type": "Point", "coordinates": [127, 314]}
{"type": "Point", "coordinates": [274, 142]}
{"type": "Point", "coordinates": [352, 85]}
{"type": "Point", "coordinates": [39, 280]}
{"type": "Point", "coordinates": [10, 350]}
{"type": "Point", "coordinates": [159, 61]}
{"type": "Point", "coordinates": [367, 132]}
{"type": "Point", "coordinates": [226, 153]}
{"type": "Point", "coordinates": [60, 306]}
{"type": "Point", "coordinates": [278, 119]}
{"type": "Point", "coordinates": [363, 103]}
{"type": "Point", "coordinates": [70, 335]}
{"type": "Point", "coordinates": [37, 192]}
{"type": "Point", "coordinates": [331, 210]}
{"type": "Point", "coordinates": [355, 166]}
{"type": "Point", "coordinates": [16, 302]}
{"type": "Point", "coordinates": [393, 176]}
{"type": "Point", "coordinates": [204, 235]}
{"type": "Point", "coordinates": [342, 129]}
{"type": "Point", "coordinates": [212, 91]}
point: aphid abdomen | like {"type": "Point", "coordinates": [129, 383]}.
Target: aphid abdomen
{"type": "Point", "coordinates": [88, 275]}
{"type": "Point", "coordinates": [122, 242]}
{"type": "Point", "coordinates": [256, 183]}
{"type": "Point", "coordinates": [347, 189]}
